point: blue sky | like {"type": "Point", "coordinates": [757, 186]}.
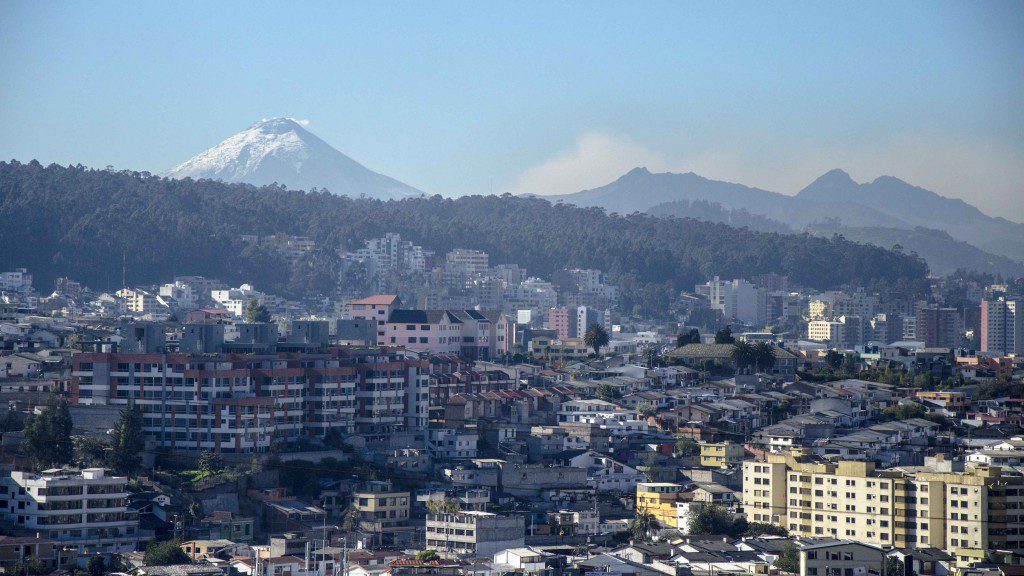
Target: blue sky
{"type": "Point", "coordinates": [458, 98]}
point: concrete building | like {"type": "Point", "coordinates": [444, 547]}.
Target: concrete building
{"type": "Point", "coordinates": [474, 534]}
{"type": "Point", "coordinates": [383, 511]}
{"type": "Point", "coordinates": [463, 261]}
{"type": "Point", "coordinates": [841, 558]}
{"type": "Point", "coordinates": [85, 509]}
{"type": "Point", "coordinates": [562, 322]}
{"type": "Point", "coordinates": [16, 551]}
{"type": "Point", "coordinates": [845, 332]}
{"type": "Point", "coordinates": [938, 327]}
{"type": "Point", "coordinates": [659, 500]}
{"type": "Point", "coordinates": [376, 310]}
{"type": "Point", "coordinates": [738, 300]}
{"type": "Point", "coordinates": [916, 507]}
{"type": "Point", "coordinates": [721, 454]}
{"type": "Point", "coordinates": [1002, 326]}
{"type": "Point", "coordinates": [243, 402]}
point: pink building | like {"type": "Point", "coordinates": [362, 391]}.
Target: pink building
{"type": "Point", "coordinates": [563, 321]}
{"type": "Point", "coordinates": [376, 308]}
{"type": "Point", "coordinates": [434, 331]}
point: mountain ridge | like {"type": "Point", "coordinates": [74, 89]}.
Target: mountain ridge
{"type": "Point", "coordinates": [281, 151]}
{"type": "Point", "coordinates": [886, 202]}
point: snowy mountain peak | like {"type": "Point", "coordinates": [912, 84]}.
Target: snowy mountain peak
{"type": "Point", "coordinates": [280, 150]}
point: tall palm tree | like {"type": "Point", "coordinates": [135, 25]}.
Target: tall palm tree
{"type": "Point", "coordinates": [764, 356]}
{"type": "Point", "coordinates": [596, 337]}
{"type": "Point", "coordinates": [743, 356]}
{"type": "Point", "coordinates": [641, 525]}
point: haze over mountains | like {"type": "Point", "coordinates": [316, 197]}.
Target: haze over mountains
{"type": "Point", "coordinates": [281, 151]}
{"type": "Point", "coordinates": [948, 233]}
{"type": "Point", "coordinates": [894, 209]}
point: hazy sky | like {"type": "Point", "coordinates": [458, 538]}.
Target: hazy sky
{"type": "Point", "coordinates": [544, 97]}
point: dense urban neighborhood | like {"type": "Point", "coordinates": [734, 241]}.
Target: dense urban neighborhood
{"type": "Point", "coordinates": [442, 414]}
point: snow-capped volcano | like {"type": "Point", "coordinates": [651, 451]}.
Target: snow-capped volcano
{"type": "Point", "coordinates": [280, 150]}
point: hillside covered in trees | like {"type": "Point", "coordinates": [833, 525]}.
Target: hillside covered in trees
{"type": "Point", "coordinates": [86, 224]}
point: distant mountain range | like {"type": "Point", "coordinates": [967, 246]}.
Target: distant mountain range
{"type": "Point", "coordinates": [884, 210]}
{"type": "Point", "coordinates": [282, 151]}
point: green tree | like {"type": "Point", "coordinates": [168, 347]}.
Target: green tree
{"type": "Point", "coordinates": [924, 381]}
{"type": "Point", "coordinates": [28, 567]}
{"type": "Point", "coordinates": [596, 337]}
{"type": "Point", "coordinates": [652, 357]}
{"type": "Point", "coordinates": [903, 412]}
{"type": "Point", "coordinates": [833, 359]}
{"type": "Point", "coordinates": [646, 409]}
{"type": "Point", "coordinates": [742, 356]}
{"type": "Point", "coordinates": [893, 566]}
{"type": "Point", "coordinates": [427, 555]}
{"type": "Point", "coordinates": [210, 462]}
{"type": "Point", "coordinates": [724, 336]}
{"type": "Point", "coordinates": [641, 526]}
{"type": "Point", "coordinates": [690, 337]}
{"type": "Point", "coordinates": [686, 447]}
{"type": "Point", "coordinates": [128, 442]}
{"type": "Point", "coordinates": [711, 520]}
{"type": "Point", "coordinates": [764, 356]}
{"type": "Point", "coordinates": [165, 553]}
{"type": "Point", "coordinates": [256, 312]}
{"type": "Point", "coordinates": [755, 529]}
{"type": "Point", "coordinates": [96, 566]}
{"type": "Point", "coordinates": [651, 463]}
{"type": "Point", "coordinates": [607, 392]}
{"type": "Point", "coordinates": [47, 435]}
{"type": "Point", "coordinates": [443, 506]}
{"type": "Point", "coordinates": [789, 559]}
{"type": "Point", "coordinates": [351, 521]}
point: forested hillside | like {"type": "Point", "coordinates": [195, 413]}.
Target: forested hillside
{"type": "Point", "coordinates": [83, 223]}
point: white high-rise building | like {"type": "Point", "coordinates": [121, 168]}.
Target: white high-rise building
{"type": "Point", "coordinates": [738, 300]}
{"type": "Point", "coordinates": [1002, 326]}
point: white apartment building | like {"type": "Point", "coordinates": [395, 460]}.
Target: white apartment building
{"type": "Point", "coordinates": [737, 299]}
{"type": "Point", "coordinates": [464, 261]}
{"type": "Point", "coordinates": [85, 508]}
{"type": "Point", "coordinates": [234, 300]}
{"type": "Point", "coordinates": [18, 280]}
{"type": "Point", "coordinates": [391, 253]}
{"type": "Point", "coordinates": [452, 443]}
{"type": "Point", "coordinates": [475, 534]}
{"type": "Point", "coordinates": [180, 295]}
{"type": "Point", "coordinates": [140, 301]}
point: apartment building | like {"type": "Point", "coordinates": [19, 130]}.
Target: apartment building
{"type": "Point", "coordinates": [475, 534]}
{"type": "Point", "coordinates": [938, 327]}
{"type": "Point", "coordinates": [553, 350]}
{"type": "Point", "coordinates": [15, 551]}
{"type": "Point", "coordinates": [383, 511]}
{"type": "Point", "coordinates": [141, 301]}
{"type": "Point", "coordinates": [471, 334]}
{"type": "Point", "coordinates": [659, 499]}
{"type": "Point", "coordinates": [85, 509]}
{"type": "Point", "coordinates": [843, 332]}
{"type": "Point", "coordinates": [376, 310]}
{"type": "Point", "coordinates": [466, 262]}
{"type": "Point", "coordinates": [841, 558]}
{"type": "Point", "coordinates": [244, 402]}
{"type": "Point", "coordinates": [738, 300]}
{"type": "Point", "coordinates": [966, 513]}
{"type": "Point", "coordinates": [1002, 326]}
{"type": "Point", "coordinates": [563, 322]}
{"type": "Point", "coordinates": [721, 454]}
